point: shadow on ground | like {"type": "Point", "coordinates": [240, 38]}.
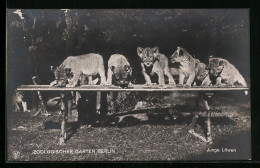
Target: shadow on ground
{"type": "Point", "coordinates": [157, 116]}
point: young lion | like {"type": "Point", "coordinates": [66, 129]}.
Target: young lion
{"type": "Point", "coordinates": [190, 67]}
{"type": "Point", "coordinates": [62, 76]}
{"type": "Point", "coordinates": [157, 62]}
{"type": "Point", "coordinates": [80, 66]}
{"type": "Point", "coordinates": [224, 72]}
{"type": "Point", "coordinates": [119, 71]}
{"type": "Point", "coordinates": [202, 76]}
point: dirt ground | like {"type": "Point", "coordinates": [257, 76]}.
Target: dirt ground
{"type": "Point", "coordinates": [159, 134]}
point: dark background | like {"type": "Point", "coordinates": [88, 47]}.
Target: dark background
{"type": "Point", "coordinates": [47, 37]}
{"type": "Point", "coordinates": [254, 59]}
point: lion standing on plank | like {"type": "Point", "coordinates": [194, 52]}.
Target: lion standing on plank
{"type": "Point", "coordinates": [152, 63]}
{"type": "Point", "coordinates": [83, 66]}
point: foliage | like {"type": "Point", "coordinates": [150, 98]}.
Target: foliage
{"type": "Point", "coordinates": [47, 37]}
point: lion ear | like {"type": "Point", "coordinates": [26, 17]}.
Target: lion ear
{"type": "Point", "coordinates": [156, 50]}
{"type": "Point", "coordinates": [181, 52]}
{"type": "Point", "coordinates": [127, 68]}
{"type": "Point", "coordinates": [112, 68]}
{"type": "Point", "coordinates": [196, 65]}
{"type": "Point", "coordinates": [221, 63]}
{"type": "Point", "coordinates": [140, 51]}
{"type": "Point", "coordinates": [52, 68]}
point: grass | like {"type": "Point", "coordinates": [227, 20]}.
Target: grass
{"type": "Point", "coordinates": [158, 135]}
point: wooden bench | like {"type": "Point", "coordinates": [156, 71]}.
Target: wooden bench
{"type": "Point", "coordinates": [204, 94]}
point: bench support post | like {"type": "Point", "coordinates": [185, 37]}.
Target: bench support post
{"type": "Point", "coordinates": [208, 121]}
{"type": "Point", "coordinates": [98, 102]}
{"type": "Point", "coordinates": [205, 98]}
{"type": "Point", "coordinates": [64, 111]}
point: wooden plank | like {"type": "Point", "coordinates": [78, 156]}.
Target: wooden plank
{"type": "Point", "coordinates": [139, 87]}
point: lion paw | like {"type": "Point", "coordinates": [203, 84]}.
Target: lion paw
{"type": "Point", "coordinates": [219, 85]}
{"type": "Point", "coordinates": [91, 83]}
{"type": "Point", "coordinates": [162, 86]}
{"type": "Point", "coordinates": [172, 83]}
{"type": "Point", "coordinates": [230, 85]}
{"type": "Point", "coordinates": [187, 86]}
{"type": "Point", "coordinates": [103, 84]}
{"type": "Point", "coordinates": [130, 85]}
{"type": "Point", "coordinates": [69, 85]}
{"type": "Point", "coordinates": [148, 84]}
{"type": "Point", "coordinates": [53, 83]}
{"type": "Point", "coordinates": [179, 85]}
